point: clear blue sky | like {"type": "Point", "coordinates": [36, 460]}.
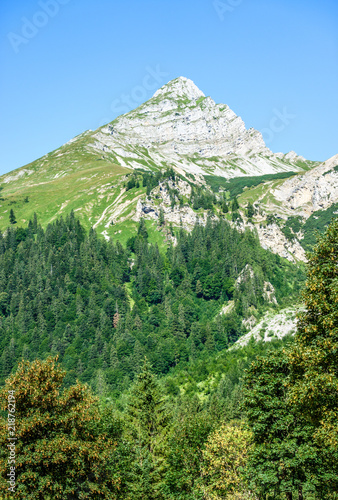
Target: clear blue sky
{"type": "Point", "coordinates": [66, 65]}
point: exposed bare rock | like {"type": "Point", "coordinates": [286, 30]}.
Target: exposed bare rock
{"type": "Point", "coordinates": [315, 190]}
{"type": "Point", "coordinates": [181, 127]}
{"type": "Point", "coordinates": [272, 238]}
{"type": "Point", "coordinates": [246, 273]}
{"type": "Point", "coordinates": [273, 325]}
{"type": "Point", "coordinates": [249, 323]}
{"type": "Point", "coordinates": [228, 307]}
{"type": "Point", "coordinates": [160, 199]}
{"type": "Point", "coordinates": [269, 293]}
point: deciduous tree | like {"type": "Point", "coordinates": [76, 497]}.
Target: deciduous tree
{"type": "Point", "coordinates": [59, 454]}
{"type": "Point", "coordinates": [224, 457]}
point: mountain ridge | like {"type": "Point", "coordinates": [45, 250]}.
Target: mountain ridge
{"type": "Point", "coordinates": [181, 126]}
{"type": "Point", "coordinates": [101, 175]}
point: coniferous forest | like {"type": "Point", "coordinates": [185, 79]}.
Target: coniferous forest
{"type": "Point", "coordinates": [107, 348]}
{"type": "Point", "coordinates": [102, 308]}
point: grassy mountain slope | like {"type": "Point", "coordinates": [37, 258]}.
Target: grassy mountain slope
{"type": "Point", "coordinates": [205, 144]}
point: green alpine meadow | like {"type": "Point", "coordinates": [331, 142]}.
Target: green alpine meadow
{"type": "Point", "coordinates": [169, 313]}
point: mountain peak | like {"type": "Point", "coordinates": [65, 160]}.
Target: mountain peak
{"type": "Point", "coordinates": [178, 88]}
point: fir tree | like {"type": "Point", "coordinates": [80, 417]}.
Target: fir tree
{"type": "Point", "coordinates": [161, 218]}
{"type": "Point", "coordinates": [114, 360]}
{"type": "Point", "coordinates": [142, 229]}
{"type": "Point", "coordinates": [250, 211]}
{"type": "Point", "coordinates": [148, 424]}
{"type": "Point", "coordinates": [234, 205]}
{"type": "Point", "coordinates": [12, 218]}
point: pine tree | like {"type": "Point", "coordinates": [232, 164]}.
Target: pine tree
{"type": "Point", "coordinates": [148, 425]}
{"type": "Point", "coordinates": [161, 218]}
{"type": "Point", "coordinates": [12, 218]}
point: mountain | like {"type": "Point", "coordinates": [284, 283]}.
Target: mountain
{"type": "Point", "coordinates": [114, 176]}
{"type": "Point", "coordinates": [181, 127]}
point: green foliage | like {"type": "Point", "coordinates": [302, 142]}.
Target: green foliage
{"type": "Point", "coordinates": [184, 451]}
{"type": "Point", "coordinates": [225, 208]}
{"type": "Point", "coordinates": [149, 179]}
{"type": "Point", "coordinates": [59, 454]}
{"type": "Point", "coordinates": [142, 230]}
{"type": "Point", "coordinates": [294, 223]}
{"type": "Point", "coordinates": [317, 223]}
{"type": "Point", "coordinates": [147, 423]}
{"type": "Point", "coordinates": [201, 198]}
{"type": "Point", "coordinates": [102, 308]}
{"type": "Point", "coordinates": [271, 219]}
{"type": "Point", "coordinates": [284, 458]}
{"type": "Point", "coordinates": [250, 211]}
{"type": "Point", "coordinates": [161, 218]}
{"type": "Point", "coordinates": [234, 204]}
{"type": "Point", "coordinates": [236, 185]}
{"type": "Point", "coordinates": [288, 233]}
{"type": "Point", "coordinates": [224, 457]}
{"type": "Point", "coordinates": [314, 358]}
{"type": "Point", "coordinates": [73, 284]}
{"type": "Point", "coordinates": [291, 397]}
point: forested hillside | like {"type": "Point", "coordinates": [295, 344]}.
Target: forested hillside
{"type": "Point", "coordinates": [177, 415]}
{"type": "Point", "coordinates": [102, 307]}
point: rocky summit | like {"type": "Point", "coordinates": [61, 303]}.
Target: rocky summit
{"type": "Point", "coordinates": [182, 127]}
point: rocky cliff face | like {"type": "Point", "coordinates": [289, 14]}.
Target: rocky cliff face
{"type": "Point", "coordinates": [302, 196]}
{"type": "Point", "coordinates": [180, 126]}
{"type": "Point", "coordinates": [271, 237]}
{"type": "Point", "coordinates": [315, 190]}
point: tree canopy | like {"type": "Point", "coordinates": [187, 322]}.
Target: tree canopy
{"type": "Point", "coordinates": [59, 454]}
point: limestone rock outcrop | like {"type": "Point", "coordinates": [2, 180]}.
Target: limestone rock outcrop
{"type": "Point", "coordinates": [179, 126]}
